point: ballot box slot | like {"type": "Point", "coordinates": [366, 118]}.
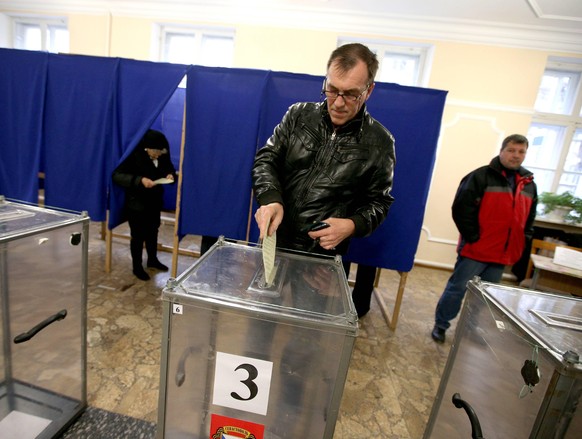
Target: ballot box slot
{"type": "Point", "coordinates": [558, 320]}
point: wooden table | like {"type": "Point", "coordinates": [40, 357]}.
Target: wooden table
{"type": "Point", "coordinates": [555, 277]}
{"type": "Point", "coordinates": [557, 225]}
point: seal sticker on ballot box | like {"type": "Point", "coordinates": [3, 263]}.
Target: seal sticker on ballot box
{"type": "Point", "coordinates": [222, 427]}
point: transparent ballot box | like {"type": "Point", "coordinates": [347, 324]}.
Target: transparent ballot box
{"type": "Point", "coordinates": [252, 359]}
{"type": "Point", "coordinates": [514, 367]}
{"type": "Point", "coordinates": [43, 270]}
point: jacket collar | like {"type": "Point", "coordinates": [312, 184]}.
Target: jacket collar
{"type": "Point", "coordinates": [354, 126]}
{"type": "Point", "coordinates": [497, 166]}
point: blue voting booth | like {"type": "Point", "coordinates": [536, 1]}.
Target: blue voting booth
{"type": "Point", "coordinates": [75, 118]}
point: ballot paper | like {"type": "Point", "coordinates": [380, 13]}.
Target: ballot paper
{"type": "Point", "coordinates": [568, 257]}
{"type": "Point", "coordinates": [163, 181]}
{"type": "Point", "coordinates": [269, 244]}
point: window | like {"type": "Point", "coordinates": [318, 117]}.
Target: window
{"type": "Point", "coordinates": [47, 34]}
{"type": "Point", "coordinates": [207, 47]}
{"type": "Point", "coordinates": [557, 92]}
{"type": "Point", "coordinates": [186, 45]}
{"type": "Point", "coordinates": [400, 63]}
{"type": "Point", "coordinates": [555, 134]}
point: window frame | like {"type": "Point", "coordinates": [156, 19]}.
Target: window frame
{"type": "Point", "coordinates": [162, 30]}
{"type": "Point", "coordinates": [423, 51]}
{"type": "Point", "coordinates": [570, 123]}
{"type": "Point", "coordinates": [45, 25]}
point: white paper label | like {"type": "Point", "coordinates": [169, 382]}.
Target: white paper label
{"type": "Point", "coordinates": [242, 383]}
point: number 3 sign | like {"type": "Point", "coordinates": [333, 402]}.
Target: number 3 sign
{"type": "Point", "coordinates": [242, 383]}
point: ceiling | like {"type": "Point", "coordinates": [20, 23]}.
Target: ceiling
{"type": "Point", "coordinates": [539, 24]}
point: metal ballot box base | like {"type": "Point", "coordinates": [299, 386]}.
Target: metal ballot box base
{"type": "Point", "coordinates": [258, 360]}
{"type": "Point", "coordinates": [515, 360]}
{"type": "Point", "coordinates": [43, 327]}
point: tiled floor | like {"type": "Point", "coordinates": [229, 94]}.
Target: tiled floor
{"type": "Point", "coordinates": [392, 379]}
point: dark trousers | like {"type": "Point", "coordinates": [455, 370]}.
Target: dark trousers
{"type": "Point", "coordinates": [363, 287]}
{"type": "Point", "coordinates": [451, 300]}
{"type": "Point", "coordinates": [143, 228]}
{"type": "Point", "coordinates": [206, 243]}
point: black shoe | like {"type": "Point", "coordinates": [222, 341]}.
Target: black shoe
{"type": "Point", "coordinates": [438, 334]}
{"type": "Point", "coordinates": [141, 274]}
{"type": "Point", "coordinates": [157, 265]}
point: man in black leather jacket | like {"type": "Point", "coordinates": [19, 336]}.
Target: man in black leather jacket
{"type": "Point", "coordinates": [327, 162]}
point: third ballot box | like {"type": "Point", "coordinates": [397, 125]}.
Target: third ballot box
{"type": "Point", "coordinates": [241, 358]}
{"type": "Point", "coordinates": [515, 360]}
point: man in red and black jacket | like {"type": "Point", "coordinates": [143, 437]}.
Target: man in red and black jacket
{"type": "Point", "coordinates": [494, 210]}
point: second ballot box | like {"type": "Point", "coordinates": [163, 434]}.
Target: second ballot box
{"type": "Point", "coordinates": [514, 367]}
{"type": "Point", "coordinates": [242, 358]}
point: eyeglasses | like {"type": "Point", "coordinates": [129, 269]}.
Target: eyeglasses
{"type": "Point", "coordinates": [348, 97]}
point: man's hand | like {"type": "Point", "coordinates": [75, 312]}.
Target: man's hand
{"type": "Point", "coordinates": [147, 183]}
{"type": "Point", "coordinates": [338, 230]}
{"type": "Point", "coordinates": [271, 214]}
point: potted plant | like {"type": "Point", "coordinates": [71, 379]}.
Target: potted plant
{"type": "Point", "coordinates": [565, 206]}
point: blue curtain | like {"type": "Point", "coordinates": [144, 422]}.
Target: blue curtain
{"type": "Point", "coordinates": [78, 117]}
{"type": "Point", "coordinates": [221, 142]}
{"type": "Point", "coordinates": [413, 115]}
{"type": "Point", "coordinates": [142, 91]}
{"type": "Point", "coordinates": [22, 87]}
{"type": "Point", "coordinates": [222, 118]}
{"type": "Point", "coordinates": [283, 90]}
{"type": "Point", "coordinates": [97, 109]}
{"type": "Point", "coordinates": [78, 132]}
{"type": "Point", "coordinates": [170, 121]}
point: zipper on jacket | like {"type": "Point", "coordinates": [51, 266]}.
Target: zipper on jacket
{"type": "Point", "coordinates": [519, 184]}
{"type": "Point", "coordinates": [320, 163]}
{"type": "Point", "coordinates": [513, 197]}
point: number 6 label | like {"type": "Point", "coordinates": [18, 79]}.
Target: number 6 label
{"type": "Point", "coordinates": [242, 383]}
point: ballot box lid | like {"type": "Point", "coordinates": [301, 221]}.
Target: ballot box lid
{"type": "Point", "coordinates": [551, 321]}
{"type": "Point", "coordinates": [306, 287]}
{"type": "Point", "coordinates": [19, 219]}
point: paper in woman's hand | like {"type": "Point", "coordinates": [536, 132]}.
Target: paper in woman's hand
{"type": "Point", "coordinates": [163, 181]}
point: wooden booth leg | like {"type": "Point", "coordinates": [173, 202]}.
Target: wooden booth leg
{"type": "Point", "coordinates": [392, 320]}
{"type": "Point", "coordinates": [107, 235]}
{"type": "Point", "coordinates": [108, 248]}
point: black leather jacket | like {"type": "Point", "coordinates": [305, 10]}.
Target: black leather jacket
{"type": "Point", "coordinates": [317, 172]}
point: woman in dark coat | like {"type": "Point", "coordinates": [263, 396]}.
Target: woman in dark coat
{"type": "Point", "coordinates": [143, 174]}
